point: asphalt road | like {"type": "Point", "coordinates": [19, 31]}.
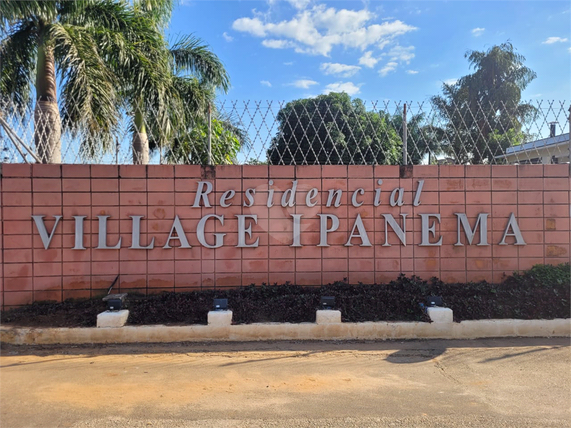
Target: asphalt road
{"type": "Point", "coordinates": [480, 383]}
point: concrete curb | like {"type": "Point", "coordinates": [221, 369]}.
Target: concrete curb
{"type": "Point", "coordinates": [274, 331]}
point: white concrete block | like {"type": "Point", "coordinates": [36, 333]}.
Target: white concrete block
{"type": "Point", "coordinates": [328, 316]}
{"type": "Point", "coordinates": [440, 315]}
{"type": "Point", "coordinates": [220, 318]}
{"type": "Point", "coordinates": [112, 318]}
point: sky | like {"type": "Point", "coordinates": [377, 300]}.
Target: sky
{"type": "Point", "coordinates": [374, 50]}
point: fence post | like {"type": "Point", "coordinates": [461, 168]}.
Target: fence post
{"type": "Point", "coordinates": [209, 135]}
{"type": "Point", "coordinates": [569, 140]}
{"type": "Point", "coordinates": [404, 137]}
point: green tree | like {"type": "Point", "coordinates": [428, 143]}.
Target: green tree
{"type": "Point", "coordinates": [483, 110]}
{"type": "Point", "coordinates": [333, 129]}
{"type": "Point", "coordinates": [167, 113]}
{"type": "Point", "coordinates": [90, 45]}
{"type": "Point", "coordinates": [190, 144]}
{"type": "Point", "coordinates": [423, 138]}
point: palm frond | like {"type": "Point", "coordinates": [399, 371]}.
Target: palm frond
{"type": "Point", "coordinates": [89, 98]}
{"type": "Point", "coordinates": [17, 65]}
{"type": "Point", "coordinates": [189, 54]}
{"type": "Point", "coordinates": [12, 11]}
{"type": "Point", "coordinates": [135, 50]}
{"type": "Point", "coordinates": [159, 11]}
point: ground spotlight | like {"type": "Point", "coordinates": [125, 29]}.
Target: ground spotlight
{"type": "Point", "coordinates": [220, 304]}
{"type": "Point", "coordinates": [434, 301]}
{"type": "Point", "coordinates": [115, 302]}
{"type": "Point", "coordinates": [327, 302]}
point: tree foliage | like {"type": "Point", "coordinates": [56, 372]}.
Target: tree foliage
{"type": "Point", "coordinates": [93, 46]}
{"type": "Point", "coordinates": [483, 110]}
{"type": "Point", "coordinates": [424, 140]}
{"type": "Point", "coordinates": [333, 129]}
{"type": "Point", "coordinates": [190, 144]}
{"type": "Point", "coordinates": [194, 74]}
{"type": "Point", "coordinates": [112, 61]}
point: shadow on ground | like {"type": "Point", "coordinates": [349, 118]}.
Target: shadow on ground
{"type": "Point", "coordinates": [398, 352]}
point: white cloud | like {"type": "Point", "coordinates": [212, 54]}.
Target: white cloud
{"type": "Point", "coordinates": [401, 54]}
{"type": "Point", "coordinates": [349, 87]}
{"type": "Point", "coordinates": [451, 81]}
{"type": "Point", "coordinates": [551, 40]}
{"type": "Point", "coordinates": [265, 83]}
{"type": "Point", "coordinates": [342, 70]}
{"type": "Point", "coordinates": [411, 72]}
{"type": "Point", "coordinates": [288, 63]}
{"type": "Point", "coordinates": [303, 83]}
{"type": "Point", "coordinates": [367, 59]}
{"type": "Point", "coordinates": [277, 44]}
{"type": "Point", "coordinates": [248, 25]}
{"type": "Point", "coordinates": [389, 68]}
{"type": "Point", "coordinates": [227, 37]}
{"type": "Point", "coordinates": [476, 32]}
{"type": "Point", "coordinates": [318, 29]}
{"type": "Point", "coordinates": [298, 4]}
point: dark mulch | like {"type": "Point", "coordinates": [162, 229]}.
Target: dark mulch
{"type": "Point", "coordinates": [543, 292]}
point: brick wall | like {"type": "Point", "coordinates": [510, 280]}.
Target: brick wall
{"type": "Point", "coordinates": [538, 195]}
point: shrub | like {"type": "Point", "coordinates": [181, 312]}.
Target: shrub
{"type": "Point", "coordinates": [543, 292]}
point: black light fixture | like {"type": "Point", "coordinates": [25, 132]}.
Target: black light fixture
{"type": "Point", "coordinates": [327, 302]}
{"type": "Point", "coordinates": [220, 304]}
{"type": "Point", "coordinates": [434, 301]}
{"type": "Point", "coordinates": [115, 302]}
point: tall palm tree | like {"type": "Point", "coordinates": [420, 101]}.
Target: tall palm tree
{"type": "Point", "coordinates": [163, 109]}
{"type": "Point", "coordinates": [90, 44]}
{"type": "Point", "coordinates": [195, 73]}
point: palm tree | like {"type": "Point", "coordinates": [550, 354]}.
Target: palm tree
{"type": "Point", "coordinates": [195, 73]}
{"type": "Point", "coordinates": [162, 108]}
{"type": "Point", "coordinates": [90, 44]}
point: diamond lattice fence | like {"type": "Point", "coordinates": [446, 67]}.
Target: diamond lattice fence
{"type": "Point", "coordinates": [310, 131]}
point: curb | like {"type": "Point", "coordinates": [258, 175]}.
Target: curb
{"type": "Point", "coordinates": [276, 331]}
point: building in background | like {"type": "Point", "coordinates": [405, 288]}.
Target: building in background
{"type": "Point", "coordinates": [553, 149]}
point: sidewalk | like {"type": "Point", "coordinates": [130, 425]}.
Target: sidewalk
{"type": "Point", "coordinates": [438, 383]}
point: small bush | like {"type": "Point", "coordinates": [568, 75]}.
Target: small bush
{"type": "Point", "coordinates": [69, 313]}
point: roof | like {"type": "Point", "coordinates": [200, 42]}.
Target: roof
{"type": "Point", "coordinates": [537, 144]}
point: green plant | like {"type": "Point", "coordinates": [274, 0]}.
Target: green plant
{"type": "Point", "coordinates": [542, 292]}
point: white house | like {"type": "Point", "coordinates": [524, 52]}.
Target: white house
{"type": "Point", "coordinates": [554, 149]}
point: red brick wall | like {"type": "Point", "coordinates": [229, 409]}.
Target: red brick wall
{"type": "Point", "coordinates": [537, 194]}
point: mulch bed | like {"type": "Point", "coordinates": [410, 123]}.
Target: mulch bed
{"type": "Point", "coordinates": [543, 292]}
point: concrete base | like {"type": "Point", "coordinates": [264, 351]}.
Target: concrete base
{"type": "Point", "coordinates": [327, 316]}
{"type": "Point", "coordinates": [440, 315]}
{"type": "Point", "coordinates": [220, 318]}
{"type": "Point", "coordinates": [305, 331]}
{"type": "Point", "coordinates": [112, 318]}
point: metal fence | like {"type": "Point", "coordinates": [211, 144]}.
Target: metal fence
{"type": "Point", "coordinates": [311, 131]}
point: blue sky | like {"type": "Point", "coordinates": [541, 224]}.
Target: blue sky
{"type": "Point", "coordinates": [374, 50]}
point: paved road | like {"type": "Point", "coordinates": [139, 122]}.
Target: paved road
{"type": "Point", "coordinates": [481, 383]}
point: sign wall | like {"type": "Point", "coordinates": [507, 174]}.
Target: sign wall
{"type": "Point", "coordinates": [69, 230]}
